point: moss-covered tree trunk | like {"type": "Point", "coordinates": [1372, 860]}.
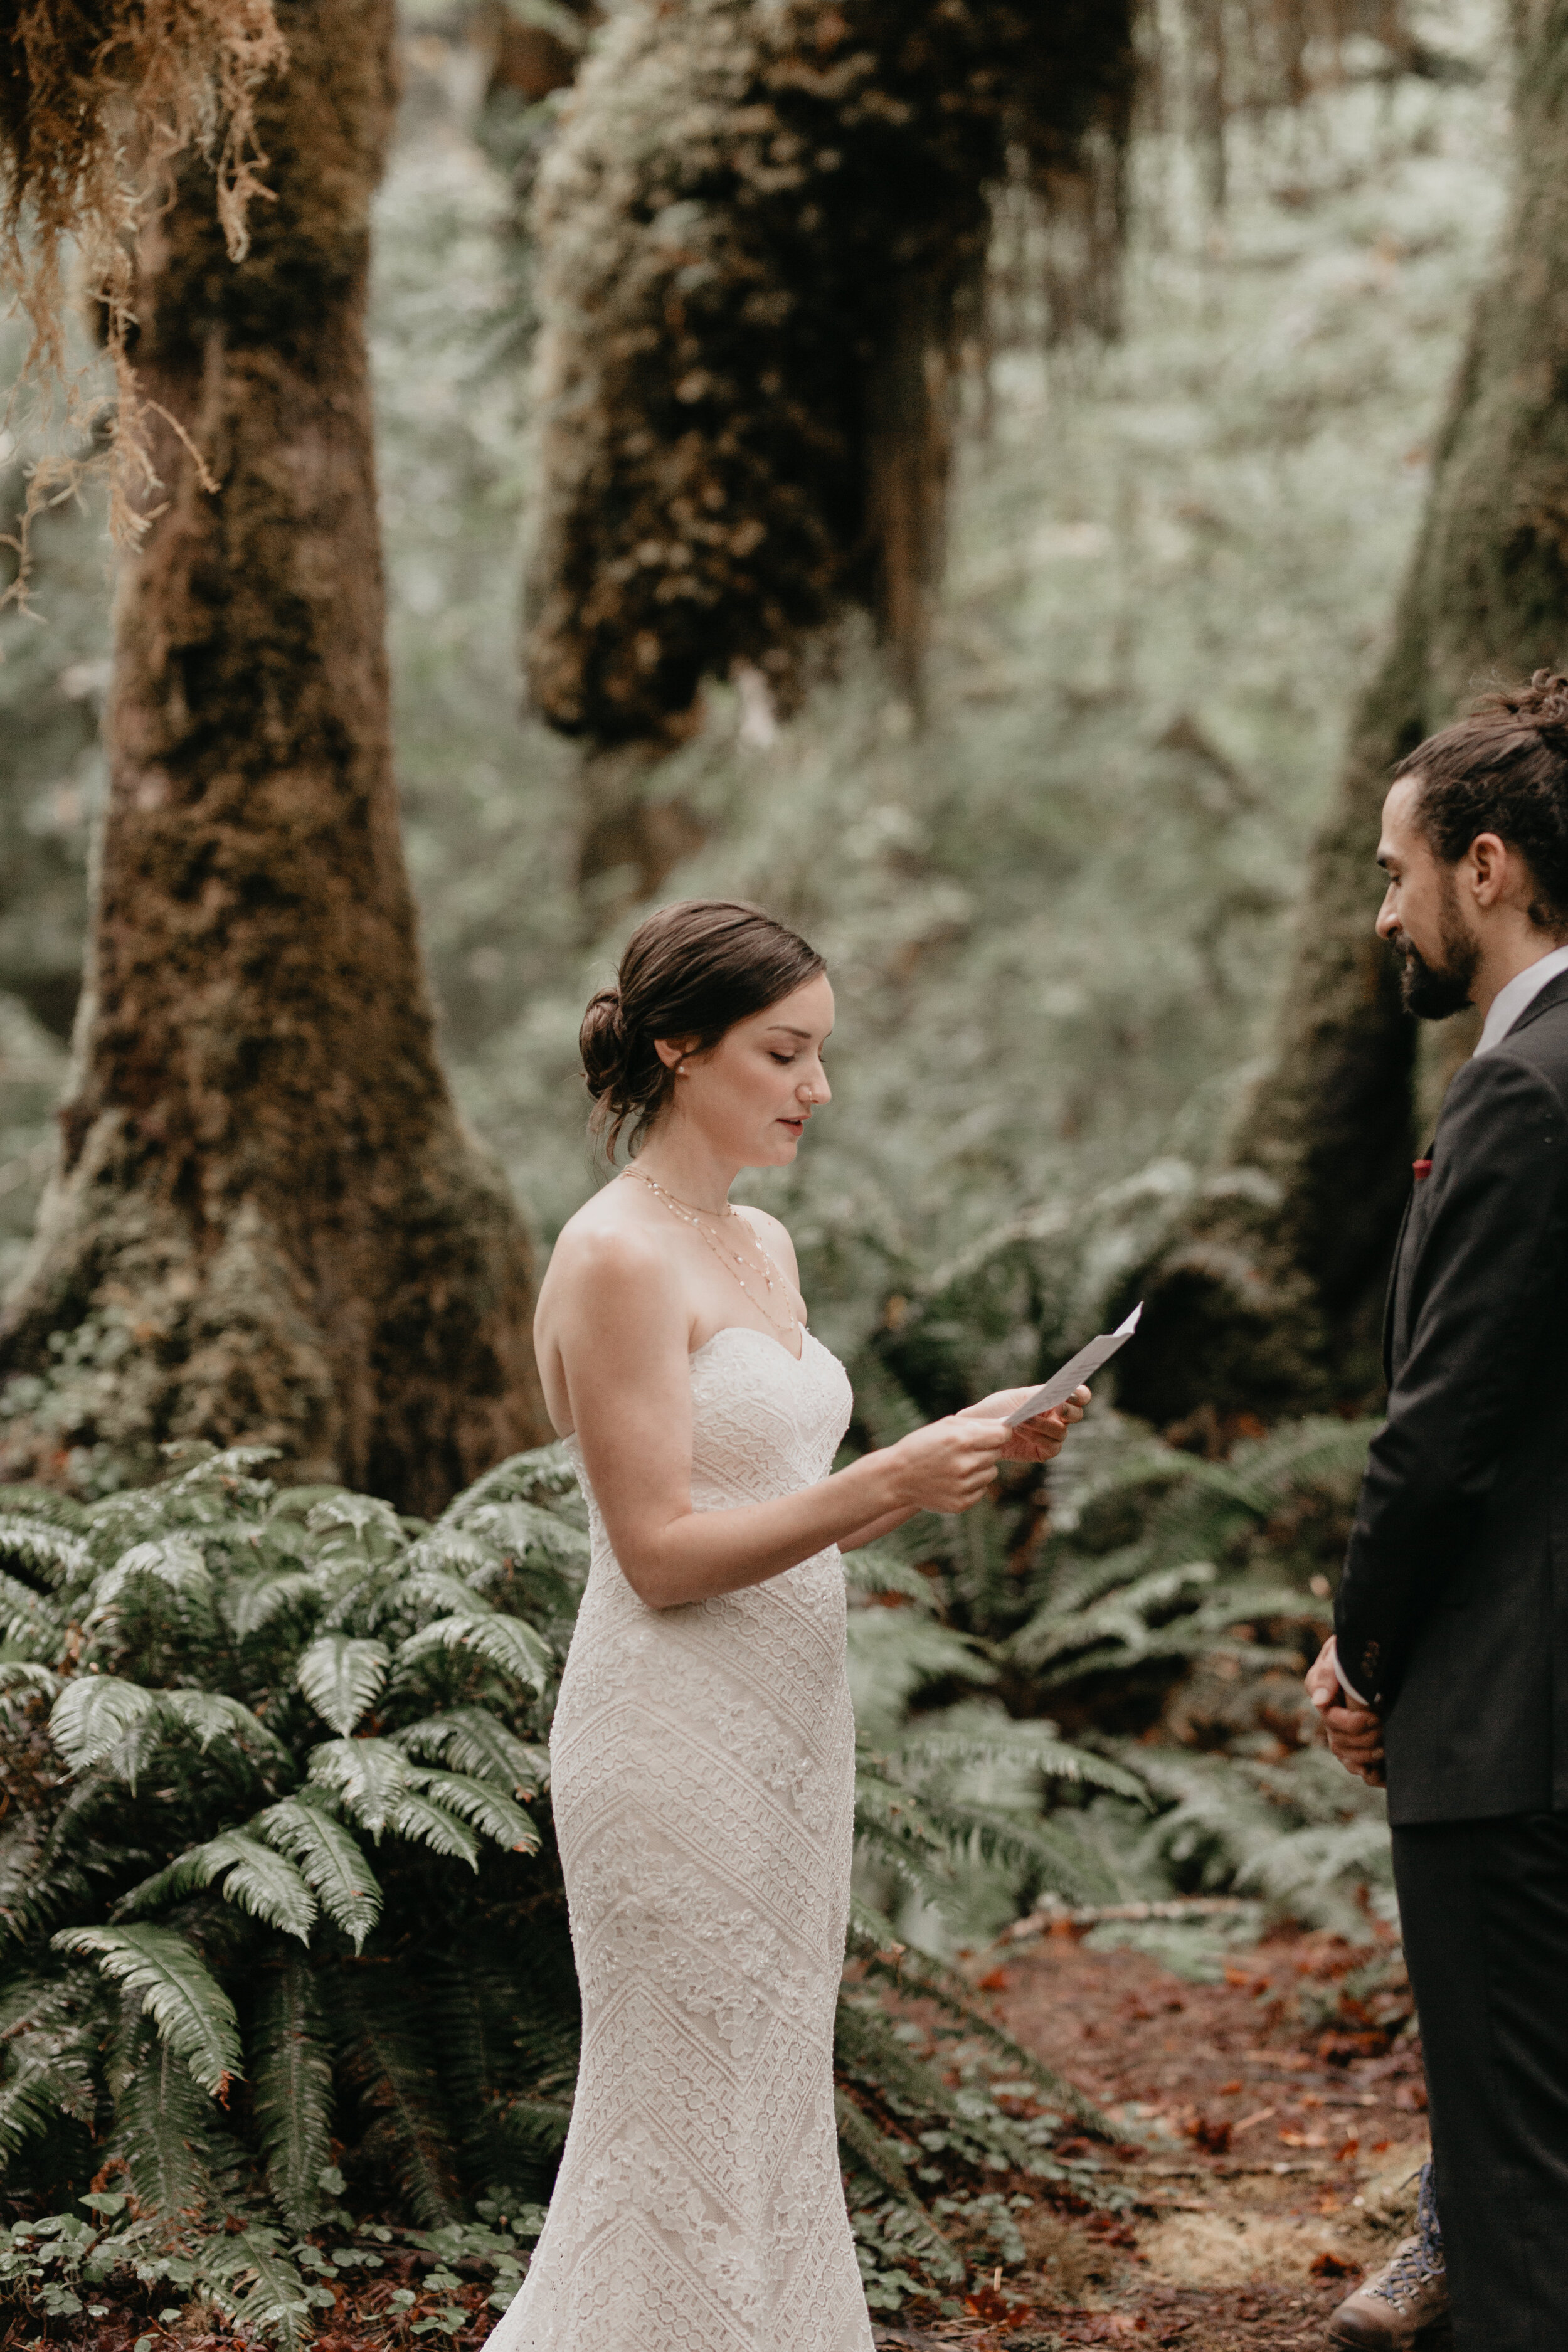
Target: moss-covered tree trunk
{"type": "Point", "coordinates": [267, 1222]}
{"type": "Point", "coordinates": [1270, 1296]}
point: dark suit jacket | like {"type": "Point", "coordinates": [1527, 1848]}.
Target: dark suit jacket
{"type": "Point", "coordinates": [1452, 1613]}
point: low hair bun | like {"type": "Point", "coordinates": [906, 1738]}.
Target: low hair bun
{"type": "Point", "coordinates": [601, 1042]}
{"type": "Point", "coordinates": [688, 974]}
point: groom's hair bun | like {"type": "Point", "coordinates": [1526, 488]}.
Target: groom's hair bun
{"type": "Point", "coordinates": [1504, 770]}
{"type": "Point", "coordinates": [687, 975]}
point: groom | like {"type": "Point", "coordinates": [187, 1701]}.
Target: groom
{"type": "Point", "coordinates": [1448, 1672]}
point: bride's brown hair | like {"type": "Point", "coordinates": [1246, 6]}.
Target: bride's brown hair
{"type": "Point", "coordinates": [690, 972]}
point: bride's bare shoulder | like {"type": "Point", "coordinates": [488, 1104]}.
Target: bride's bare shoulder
{"type": "Point", "coordinates": [611, 1240]}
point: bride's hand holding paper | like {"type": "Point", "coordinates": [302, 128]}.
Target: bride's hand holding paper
{"type": "Point", "coordinates": [1039, 1440]}
{"type": "Point", "coordinates": [1041, 1417]}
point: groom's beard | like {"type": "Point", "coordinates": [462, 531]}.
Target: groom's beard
{"type": "Point", "coordinates": [1434, 991]}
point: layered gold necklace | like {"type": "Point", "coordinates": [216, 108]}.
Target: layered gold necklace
{"type": "Point", "coordinates": [739, 1265]}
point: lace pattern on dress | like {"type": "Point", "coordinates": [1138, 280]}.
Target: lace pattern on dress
{"type": "Point", "coordinates": [703, 1779]}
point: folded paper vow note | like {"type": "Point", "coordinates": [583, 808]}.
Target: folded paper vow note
{"type": "Point", "coordinates": [1076, 1370]}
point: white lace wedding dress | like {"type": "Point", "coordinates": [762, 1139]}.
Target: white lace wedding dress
{"type": "Point", "coordinates": [702, 1764]}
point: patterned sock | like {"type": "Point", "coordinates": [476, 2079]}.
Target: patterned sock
{"type": "Point", "coordinates": [1427, 2222]}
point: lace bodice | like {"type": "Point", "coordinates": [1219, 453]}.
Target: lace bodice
{"type": "Point", "coordinates": [762, 1425]}
{"type": "Point", "coordinates": [702, 1762]}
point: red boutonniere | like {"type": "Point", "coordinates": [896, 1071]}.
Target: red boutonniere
{"type": "Point", "coordinates": [1423, 1170]}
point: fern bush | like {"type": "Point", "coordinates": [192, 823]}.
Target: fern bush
{"type": "Point", "coordinates": [273, 1878]}
{"type": "Point", "coordinates": [284, 1924]}
{"type": "Point", "coordinates": [1157, 1603]}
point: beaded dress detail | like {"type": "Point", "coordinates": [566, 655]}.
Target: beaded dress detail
{"type": "Point", "coordinates": [702, 1764]}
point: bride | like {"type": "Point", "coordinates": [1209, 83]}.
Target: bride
{"type": "Point", "coordinates": [702, 1753]}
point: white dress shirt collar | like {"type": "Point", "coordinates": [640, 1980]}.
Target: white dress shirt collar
{"type": "Point", "coordinates": [1522, 990]}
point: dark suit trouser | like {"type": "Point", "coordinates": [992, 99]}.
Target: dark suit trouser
{"type": "Point", "coordinates": [1484, 1907]}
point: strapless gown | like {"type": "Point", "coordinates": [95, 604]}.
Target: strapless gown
{"type": "Point", "coordinates": [702, 1765]}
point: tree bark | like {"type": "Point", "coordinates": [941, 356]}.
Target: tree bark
{"type": "Point", "coordinates": [1269, 1297]}
{"type": "Point", "coordinates": [267, 1222]}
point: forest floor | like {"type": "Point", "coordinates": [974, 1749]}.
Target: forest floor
{"type": "Point", "coordinates": [1269, 2156]}
{"type": "Point", "coordinates": [1273, 2126]}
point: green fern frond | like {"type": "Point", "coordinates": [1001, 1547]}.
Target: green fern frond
{"type": "Point", "coordinates": [206, 1716]}
{"type": "Point", "coordinates": [102, 1720]}
{"type": "Point", "coordinates": [47, 2044]}
{"type": "Point", "coordinates": [53, 1552]}
{"type": "Point", "coordinates": [425, 1822]}
{"type": "Point", "coordinates": [1319, 1450]}
{"type": "Point", "coordinates": [482, 1804]}
{"type": "Point", "coordinates": [49, 1506]}
{"type": "Point", "coordinates": [222, 1468]}
{"type": "Point", "coordinates": [509, 1643]}
{"type": "Point", "coordinates": [474, 1740]}
{"type": "Point", "coordinates": [866, 2049]}
{"type": "Point", "coordinates": [882, 1404]}
{"type": "Point", "coordinates": [545, 2021]}
{"type": "Point", "coordinates": [539, 1539]}
{"type": "Point", "coordinates": [542, 1476]}
{"type": "Point", "coordinates": [40, 1878]}
{"type": "Point", "coordinates": [258, 2286]}
{"type": "Point", "coordinates": [1119, 1616]}
{"type": "Point", "coordinates": [27, 1677]}
{"type": "Point", "coordinates": [895, 1652]}
{"type": "Point", "coordinates": [537, 2123]}
{"type": "Point", "coordinates": [184, 1999]}
{"type": "Point", "coordinates": [921, 1868]}
{"type": "Point", "coordinates": [1305, 1862]}
{"type": "Point", "coordinates": [163, 2125]}
{"type": "Point", "coordinates": [1057, 1859]}
{"type": "Point", "coordinates": [473, 2003]}
{"type": "Point", "coordinates": [175, 1561]}
{"type": "Point", "coordinates": [871, 2153]}
{"type": "Point", "coordinates": [292, 2071]}
{"type": "Point", "coordinates": [1033, 1745]}
{"type": "Point", "coordinates": [342, 1678]}
{"type": "Point", "coordinates": [880, 1568]}
{"type": "Point", "coordinates": [1313, 1786]}
{"type": "Point", "coordinates": [1205, 1504]}
{"type": "Point", "coordinates": [329, 1859]}
{"type": "Point", "coordinates": [356, 1529]}
{"type": "Point", "coordinates": [34, 1616]}
{"type": "Point", "coordinates": [367, 1776]}
{"type": "Point", "coordinates": [1073, 1582]}
{"type": "Point", "coordinates": [253, 1603]}
{"type": "Point", "coordinates": [397, 2087]}
{"type": "Point", "coordinates": [434, 1589]}
{"type": "Point", "coordinates": [255, 1877]}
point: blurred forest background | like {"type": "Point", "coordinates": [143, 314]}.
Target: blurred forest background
{"type": "Point", "coordinates": [1063, 872]}
{"type": "Point", "coordinates": [1058, 913]}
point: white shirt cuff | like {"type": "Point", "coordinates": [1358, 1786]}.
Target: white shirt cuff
{"type": "Point", "coordinates": [1350, 1689]}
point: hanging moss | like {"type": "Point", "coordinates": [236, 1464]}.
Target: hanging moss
{"type": "Point", "coordinates": [763, 231]}
{"type": "Point", "coordinates": [759, 226]}
{"type": "Point", "coordinates": [97, 99]}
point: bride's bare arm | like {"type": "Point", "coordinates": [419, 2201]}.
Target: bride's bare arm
{"type": "Point", "coordinates": [620, 1328]}
{"type": "Point", "coordinates": [1039, 1440]}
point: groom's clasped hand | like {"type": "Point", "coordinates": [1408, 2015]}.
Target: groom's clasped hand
{"type": "Point", "coordinates": [1354, 1733]}
{"type": "Point", "coordinates": [949, 1464]}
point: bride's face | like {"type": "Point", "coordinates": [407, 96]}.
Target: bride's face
{"type": "Point", "coordinates": [752, 1092]}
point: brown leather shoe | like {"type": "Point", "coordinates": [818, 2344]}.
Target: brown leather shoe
{"type": "Point", "coordinates": [1391, 2307]}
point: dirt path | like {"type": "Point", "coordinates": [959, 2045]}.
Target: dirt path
{"type": "Point", "coordinates": [1273, 2119]}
